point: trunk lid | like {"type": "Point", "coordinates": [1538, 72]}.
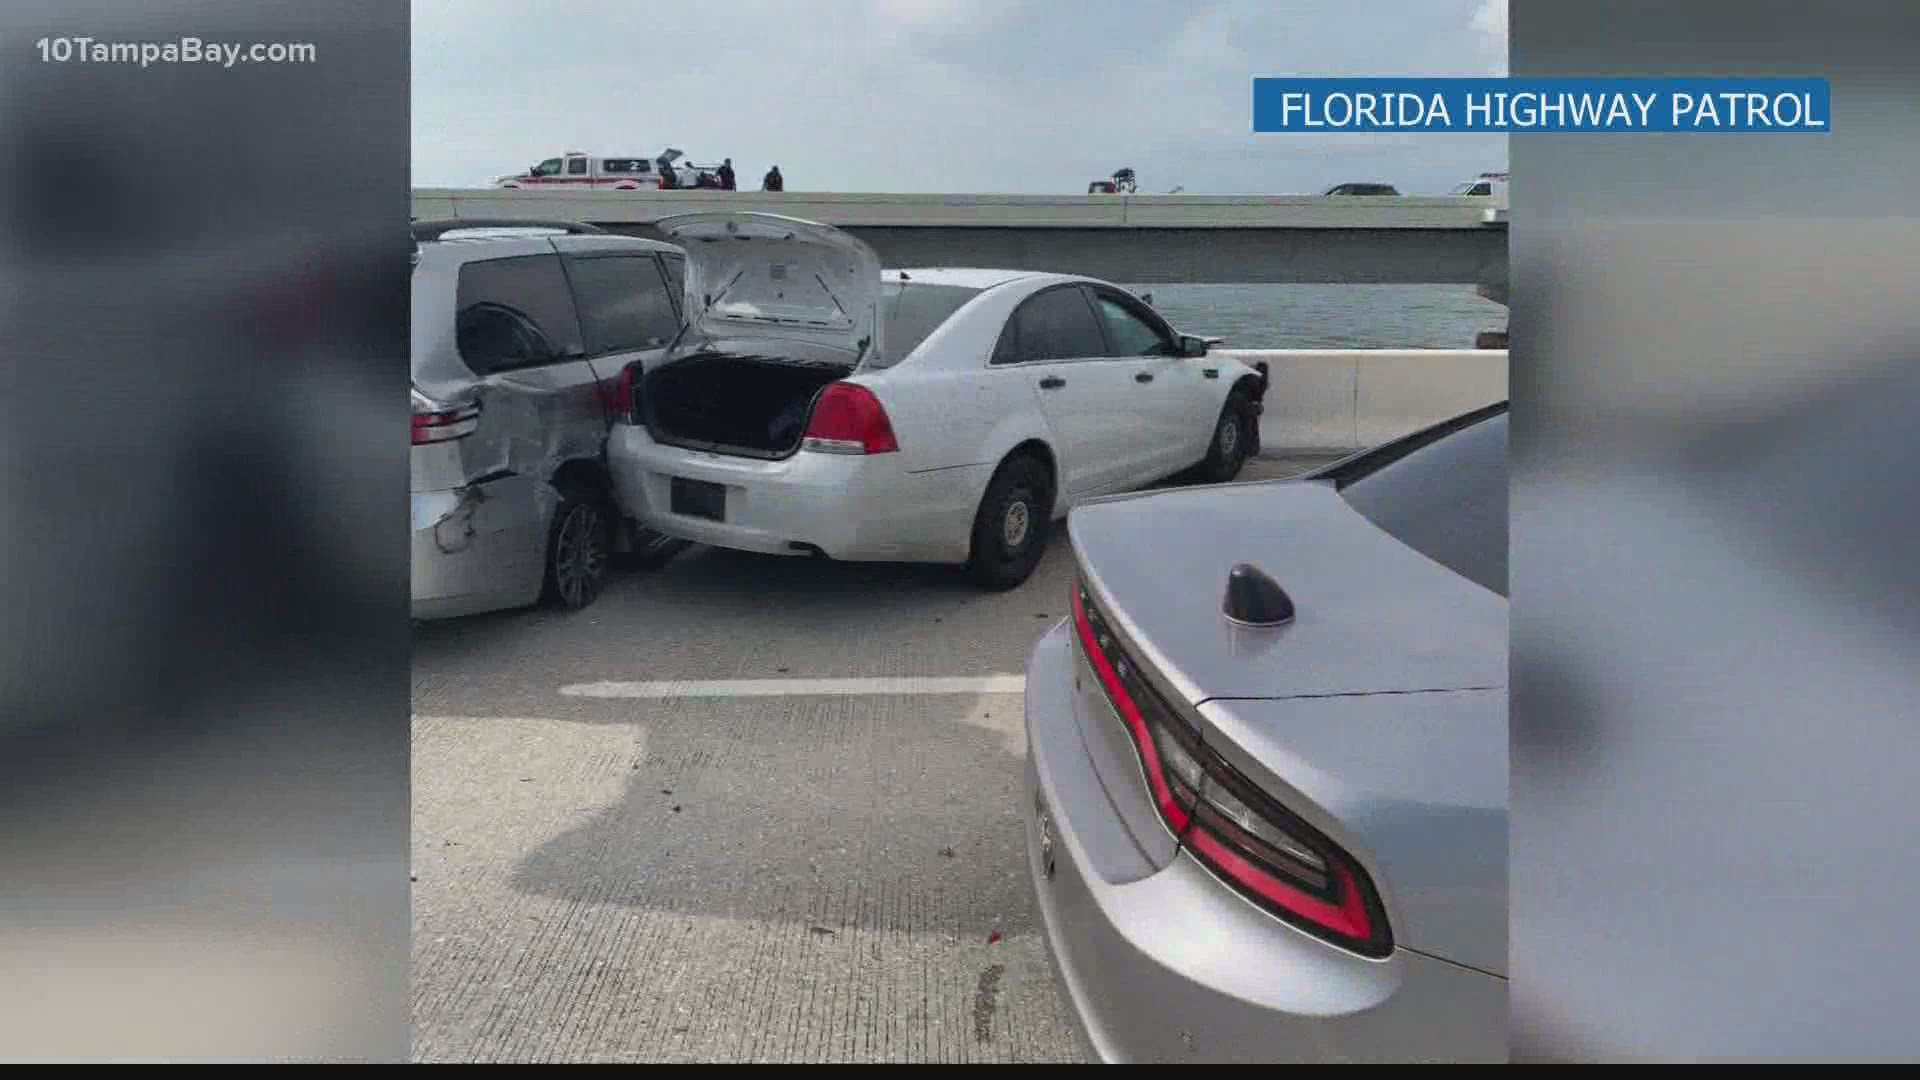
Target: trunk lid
{"type": "Point", "coordinates": [1371, 614]}
{"type": "Point", "coordinates": [755, 281]}
{"type": "Point", "coordinates": [1378, 713]}
{"type": "Point", "coordinates": [1414, 783]}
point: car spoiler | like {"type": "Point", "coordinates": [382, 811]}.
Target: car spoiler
{"type": "Point", "coordinates": [425, 231]}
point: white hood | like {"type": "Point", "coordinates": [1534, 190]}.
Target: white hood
{"type": "Point", "coordinates": [764, 277]}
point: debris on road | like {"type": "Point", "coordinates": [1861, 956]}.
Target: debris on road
{"type": "Point", "coordinates": [947, 852]}
{"type": "Point", "coordinates": [986, 998]}
{"type": "Point", "coordinates": [993, 938]}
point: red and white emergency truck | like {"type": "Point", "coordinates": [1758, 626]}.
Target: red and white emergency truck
{"type": "Point", "coordinates": [578, 170]}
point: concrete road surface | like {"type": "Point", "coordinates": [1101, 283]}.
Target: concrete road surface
{"type": "Point", "coordinates": [744, 808]}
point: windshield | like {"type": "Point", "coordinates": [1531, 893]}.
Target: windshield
{"type": "Point", "coordinates": [912, 312]}
{"type": "Point", "coordinates": [1446, 500]}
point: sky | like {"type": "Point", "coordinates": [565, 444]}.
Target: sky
{"type": "Point", "coordinates": [1015, 96]}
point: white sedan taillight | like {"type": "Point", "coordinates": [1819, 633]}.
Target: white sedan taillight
{"type": "Point", "coordinates": [849, 419]}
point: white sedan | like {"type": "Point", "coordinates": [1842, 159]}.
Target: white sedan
{"type": "Point", "coordinates": [817, 405]}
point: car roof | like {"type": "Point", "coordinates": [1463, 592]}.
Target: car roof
{"type": "Point", "coordinates": [970, 277]}
{"type": "Point", "coordinates": [482, 236]}
{"type": "Point", "coordinates": [486, 234]}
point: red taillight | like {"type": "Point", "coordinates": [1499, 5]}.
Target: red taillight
{"type": "Point", "coordinates": [619, 395]}
{"type": "Point", "coordinates": [440, 422]}
{"type": "Point", "coordinates": [1262, 850]}
{"type": "Point", "coordinates": [849, 419]}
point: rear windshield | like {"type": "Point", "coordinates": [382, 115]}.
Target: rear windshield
{"type": "Point", "coordinates": [1447, 500]}
{"type": "Point", "coordinates": [913, 311]}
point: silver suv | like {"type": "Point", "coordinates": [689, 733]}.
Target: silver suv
{"type": "Point", "coordinates": [521, 332]}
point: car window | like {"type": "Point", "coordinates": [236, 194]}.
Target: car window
{"type": "Point", "coordinates": [912, 312]}
{"type": "Point", "coordinates": [1447, 500]}
{"type": "Point", "coordinates": [547, 167]}
{"type": "Point", "coordinates": [515, 312]}
{"type": "Point", "coordinates": [1130, 334]}
{"type": "Point", "coordinates": [577, 167]}
{"type": "Point", "coordinates": [676, 268]}
{"type": "Point", "coordinates": [1057, 324]}
{"type": "Point", "coordinates": [623, 303]}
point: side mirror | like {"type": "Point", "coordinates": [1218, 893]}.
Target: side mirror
{"type": "Point", "coordinates": [1192, 347]}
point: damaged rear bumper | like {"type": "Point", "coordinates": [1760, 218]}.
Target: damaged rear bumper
{"type": "Point", "coordinates": [476, 548]}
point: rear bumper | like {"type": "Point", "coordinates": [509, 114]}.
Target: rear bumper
{"type": "Point", "coordinates": [1173, 966]}
{"type": "Point", "coordinates": [844, 506]}
{"type": "Point", "coordinates": [474, 555]}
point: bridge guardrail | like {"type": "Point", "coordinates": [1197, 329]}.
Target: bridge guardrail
{"type": "Point", "coordinates": [1350, 399]}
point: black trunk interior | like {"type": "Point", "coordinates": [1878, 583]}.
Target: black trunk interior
{"type": "Point", "coordinates": [737, 404]}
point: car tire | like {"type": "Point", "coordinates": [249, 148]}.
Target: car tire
{"type": "Point", "coordinates": [579, 552]}
{"type": "Point", "coordinates": [1233, 437]}
{"type": "Point", "coordinates": [1011, 527]}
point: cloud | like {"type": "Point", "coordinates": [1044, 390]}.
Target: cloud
{"type": "Point", "coordinates": [931, 95]}
{"type": "Point", "coordinates": [1208, 38]}
{"type": "Point", "coordinates": [1490, 22]}
{"type": "Point", "coordinates": [971, 15]}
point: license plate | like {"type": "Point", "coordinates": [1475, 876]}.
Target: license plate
{"type": "Point", "coordinates": [697, 498]}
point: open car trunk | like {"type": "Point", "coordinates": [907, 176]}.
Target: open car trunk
{"type": "Point", "coordinates": [776, 309]}
{"type": "Point", "coordinates": [748, 406]}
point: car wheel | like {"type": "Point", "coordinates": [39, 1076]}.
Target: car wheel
{"type": "Point", "coordinates": [1011, 527]}
{"type": "Point", "coordinates": [1233, 435]}
{"type": "Point", "coordinates": [579, 549]}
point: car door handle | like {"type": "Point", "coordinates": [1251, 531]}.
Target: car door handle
{"type": "Point", "coordinates": [1211, 373]}
{"type": "Point", "coordinates": [1052, 382]}
{"type": "Point", "coordinates": [1143, 377]}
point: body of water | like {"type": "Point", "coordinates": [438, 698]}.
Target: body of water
{"type": "Point", "coordinates": [1329, 316]}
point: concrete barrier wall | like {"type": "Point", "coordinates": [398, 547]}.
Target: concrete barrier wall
{"type": "Point", "coordinates": [1350, 399]}
{"type": "Point", "coordinates": [971, 210]}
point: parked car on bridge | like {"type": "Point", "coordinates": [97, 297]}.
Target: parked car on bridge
{"type": "Point", "coordinates": [577, 170]}
{"type": "Point", "coordinates": [818, 406]}
{"type": "Point", "coordinates": [1267, 763]}
{"type": "Point", "coordinates": [691, 174]}
{"type": "Point", "coordinates": [1486, 184]}
{"type": "Point", "coordinates": [517, 326]}
{"type": "Point", "coordinates": [1362, 189]}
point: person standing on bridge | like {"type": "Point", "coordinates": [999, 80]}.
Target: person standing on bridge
{"type": "Point", "coordinates": [726, 175]}
{"type": "Point", "coordinates": [774, 181]}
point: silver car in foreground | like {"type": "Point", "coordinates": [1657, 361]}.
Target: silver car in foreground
{"type": "Point", "coordinates": [1268, 763]}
